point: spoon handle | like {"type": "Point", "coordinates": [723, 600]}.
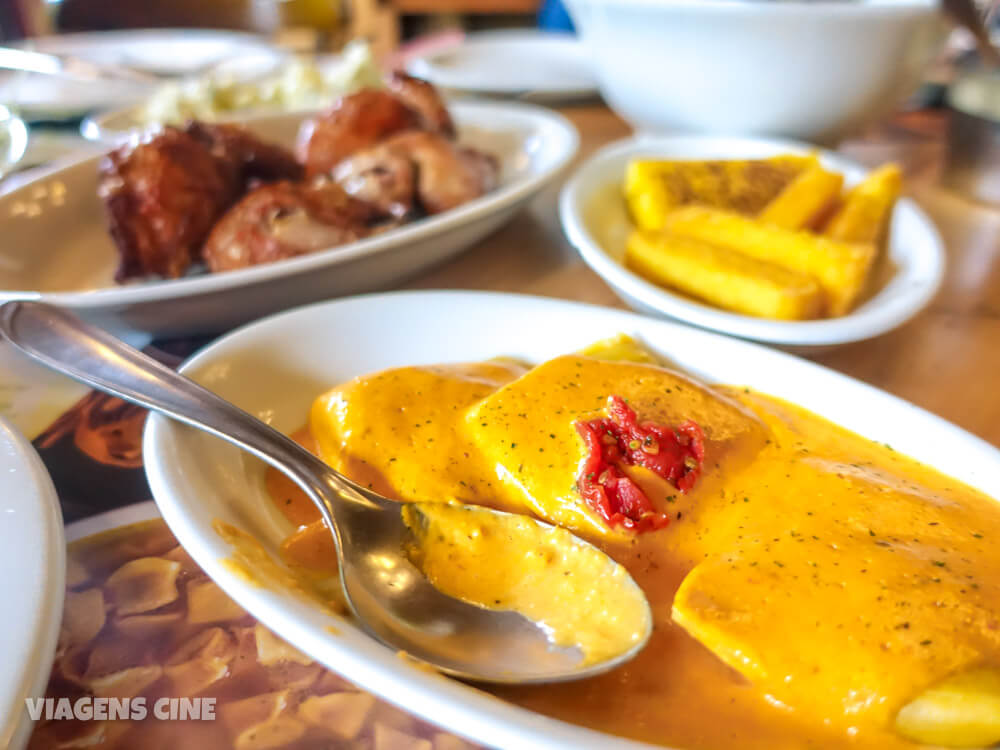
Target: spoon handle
{"type": "Point", "coordinates": [60, 340]}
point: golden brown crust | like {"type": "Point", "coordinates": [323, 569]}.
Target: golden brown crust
{"type": "Point", "coordinates": [423, 98]}
{"type": "Point", "coordinates": [417, 171]}
{"type": "Point", "coordinates": [171, 200]}
{"type": "Point", "coordinates": [252, 158]}
{"type": "Point", "coordinates": [284, 220]}
{"type": "Point", "coordinates": [355, 122]}
{"type": "Point", "coordinates": [162, 196]}
{"type": "Point", "coordinates": [161, 199]}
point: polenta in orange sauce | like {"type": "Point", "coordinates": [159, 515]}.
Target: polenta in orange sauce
{"type": "Point", "coordinates": [808, 587]}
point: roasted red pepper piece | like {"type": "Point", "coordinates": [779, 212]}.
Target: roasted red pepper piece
{"type": "Point", "coordinates": [676, 454]}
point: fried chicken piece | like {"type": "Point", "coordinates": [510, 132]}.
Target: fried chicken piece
{"type": "Point", "coordinates": [417, 170]}
{"type": "Point", "coordinates": [356, 121]}
{"type": "Point", "coordinates": [253, 159]}
{"type": "Point", "coordinates": [423, 98]}
{"type": "Point", "coordinates": [382, 176]}
{"type": "Point", "coordinates": [162, 198]}
{"type": "Point", "coordinates": [284, 220]}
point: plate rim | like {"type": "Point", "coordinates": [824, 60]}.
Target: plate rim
{"type": "Point", "coordinates": [461, 710]}
{"type": "Point", "coordinates": [857, 325]}
{"type": "Point", "coordinates": [424, 66]}
{"type": "Point", "coordinates": [61, 110]}
{"type": "Point", "coordinates": [32, 673]}
{"type": "Point", "coordinates": [106, 35]}
{"type": "Point", "coordinates": [506, 196]}
{"type": "Point", "coordinates": [124, 515]}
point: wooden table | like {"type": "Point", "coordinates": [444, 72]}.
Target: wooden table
{"type": "Point", "coordinates": [945, 360]}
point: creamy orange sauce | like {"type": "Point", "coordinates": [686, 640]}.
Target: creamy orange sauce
{"type": "Point", "coordinates": [810, 585]}
{"type": "Point", "coordinates": [581, 598]}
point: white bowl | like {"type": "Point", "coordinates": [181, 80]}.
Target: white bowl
{"type": "Point", "coordinates": [33, 561]}
{"type": "Point", "coordinates": [596, 222]}
{"type": "Point", "coordinates": [275, 367]}
{"type": "Point", "coordinates": [809, 70]}
{"type": "Point", "coordinates": [56, 246]}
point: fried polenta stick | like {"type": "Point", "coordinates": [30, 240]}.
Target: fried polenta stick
{"type": "Point", "coordinates": [805, 200]}
{"type": "Point", "coordinates": [841, 268]}
{"type": "Point", "coordinates": [653, 188]}
{"type": "Point", "coordinates": [621, 348]}
{"type": "Point", "coordinates": [723, 277]}
{"type": "Point", "coordinates": [961, 711]}
{"type": "Point", "coordinates": [864, 215]}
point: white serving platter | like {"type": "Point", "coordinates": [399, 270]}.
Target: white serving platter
{"type": "Point", "coordinates": [274, 368]}
{"type": "Point", "coordinates": [54, 245]}
{"type": "Point", "coordinates": [596, 222]}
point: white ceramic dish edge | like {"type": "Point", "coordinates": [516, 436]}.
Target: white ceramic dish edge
{"type": "Point", "coordinates": [112, 519]}
{"type": "Point", "coordinates": [67, 99]}
{"type": "Point", "coordinates": [33, 559]}
{"type": "Point", "coordinates": [535, 328]}
{"type": "Point", "coordinates": [872, 319]}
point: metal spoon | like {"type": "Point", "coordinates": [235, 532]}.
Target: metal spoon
{"type": "Point", "coordinates": [403, 609]}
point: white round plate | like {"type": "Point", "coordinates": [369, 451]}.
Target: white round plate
{"type": "Point", "coordinates": [56, 247]}
{"type": "Point", "coordinates": [33, 561]}
{"type": "Point", "coordinates": [275, 368]}
{"type": "Point", "coordinates": [536, 64]}
{"type": "Point", "coordinates": [163, 52]}
{"type": "Point", "coordinates": [596, 222]}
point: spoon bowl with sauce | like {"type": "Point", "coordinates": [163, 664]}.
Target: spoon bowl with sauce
{"type": "Point", "coordinates": [475, 593]}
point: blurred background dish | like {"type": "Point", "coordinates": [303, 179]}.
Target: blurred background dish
{"type": "Point", "coordinates": [166, 53]}
{"type": "Point", "coordinates": [808, 70]}
{"type": "Point", "coordinates": [523, 63]}
{"type": "Point", "coordinates": [597, 224]}
{"type": "Point", "coordinates": [33, 554]}
{"type": "Point", "coordinates": [250, 85]}
{"type": "Point", "coordinates": [973, 165]}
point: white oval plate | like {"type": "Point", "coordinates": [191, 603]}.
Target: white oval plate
{"type": "Point", "coordinates": [33, 561]}
{"type": "Point", "coordinates": [596, 222]}
{"type": "Point", "coordinates": [56, 247]}
{"type": "Point", "coordinates": [274, 369]}
{"type": "Point", "coordinates": [541, 65]}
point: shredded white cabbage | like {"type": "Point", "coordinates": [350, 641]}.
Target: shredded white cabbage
{"type": "Point", "coordinates": [297, 84]}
